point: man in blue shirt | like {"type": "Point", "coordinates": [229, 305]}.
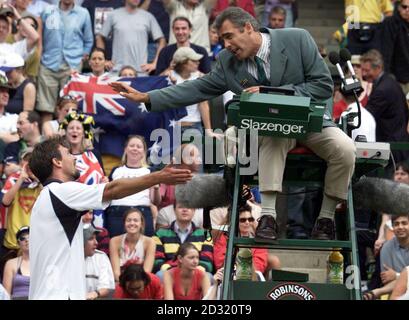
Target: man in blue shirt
{"type": "Point", "coordinates": [67, 40]}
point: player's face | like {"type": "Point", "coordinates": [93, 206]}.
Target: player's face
{"type": "Point", "coordinates": [238, 41]}
{"type": "Point", "coordinates": [68, 164]}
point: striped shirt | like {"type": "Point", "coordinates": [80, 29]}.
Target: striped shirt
{"type": "Point", "coordinates": [264, 54]}
{"type": "Point", "coordinates": [168, 242]}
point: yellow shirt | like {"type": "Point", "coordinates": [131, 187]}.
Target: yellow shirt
{"type": "Point", "coordinates": [369, 11]}
{"type": "Point", "coordinates": [19, 211]}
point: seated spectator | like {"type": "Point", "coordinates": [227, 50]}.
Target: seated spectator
{"type": "Point", "coordinates": [128, 72]}
{"type": "Point", "coordinates": [134, 164]}
{"type": "Point", "coordinates": [401, 290]}
{"type": "Point", "coordinates": [276, 18]}
{"type": "Point", "coordinates": [136, 283]}
{"type": "Point", "coordinates": [78, 133]}
{"type": "Point", "coordinates": [19, 194]}
{"type": "Point", "coordinates": [65, 105]}
{"type": "Point", "coordinates": [185, 67]}
{"type": "Point", "coordinates": [186, 281]}
{"type": "Point", "coordinates": [98, 271]}
{"type": "Point", "coordinates": [188, 156]}
{"type": "Point", "coordinates": [182, 30]}
{"type": "Point", "coordinates": [102, 234]}
{"type": "Point", "coordinates": [132, 245]}
{"type": "Point", "coordinates": [394, 257]}
{"type": "Point", "coordinates": [198, 14]}
{"type": "Point", "coordinates": [23, 92]}
{"type": "Point", "coordinates": [16, 277]}
{"type": "Point", "coordinates": [263, 261]}
{"type": "Point", "coordinates": [28, 129]}
{"type": "Point", "coordinates": [180, 231]}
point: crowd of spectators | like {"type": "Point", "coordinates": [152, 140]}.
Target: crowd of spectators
{"type": "Point", "coordinates": [145, 243]}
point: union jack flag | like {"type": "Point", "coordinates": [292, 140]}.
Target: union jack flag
{"type": "Point", "coordinates": [88, 166]}
{"type": "Point", "coordinates": [116, 117]}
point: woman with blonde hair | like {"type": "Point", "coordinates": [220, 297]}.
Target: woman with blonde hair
{"type": "Point", "coordinates": [134, 164]}
{"type": "Point", "coordinates": [132, 245]}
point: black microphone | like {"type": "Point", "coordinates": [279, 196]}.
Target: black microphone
{"type": "Point", "coordinates": [345, 56]}
{"type": "Point", "coordinates": [334, 59]}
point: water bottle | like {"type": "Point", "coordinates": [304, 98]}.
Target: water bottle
{"type": "Point", "coordinates": [335, 267]}
{"type": "Point", "coordinates": [244, 264]}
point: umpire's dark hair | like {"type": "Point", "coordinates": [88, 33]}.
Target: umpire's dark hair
{"type": "Point", "coordinates": [42, 157]}
{"type": "Point", "coordinates": [238, 17]}
{"type": "Point", "coordinates": [133, 272]}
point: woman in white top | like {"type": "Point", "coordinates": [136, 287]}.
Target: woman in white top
{"type": "Point", "coordinates": [133, 165]}
{"type": "Point", "coordinates": [132, 245]}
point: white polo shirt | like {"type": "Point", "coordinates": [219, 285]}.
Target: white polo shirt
{"type": "Point", "coordinates": [98, 272]}
{"type": "Point", "coordinates": [57, 265]}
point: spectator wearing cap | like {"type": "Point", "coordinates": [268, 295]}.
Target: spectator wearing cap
{"type": "Point", "coordinates": [8, 121]}
{"type": "Point", "coordinates": [16, 277]}
{"type": "Point", "coordinates": [98, 271]}
{"type": "Point", "coordinates": [131, 28]}
{"type": "Point", "coordinates": [67, 40]}
{"type": "Point", "coordinates": [185, 67]}
{"type": "Point", "coordinates": [32, 62]}
{"type": "Point", "coordinates": [22, 47]}
{"type": "Point", "coordinates": [28, 129]}
{"type": "Point", "coordinates": [23, 92]}
{"type": "Point", "coordinates": [65, 105]}
{"type": "Point", "coordinates": [182, 31]}
{"type": "Point", "coordinates": [19, 193]}
{"type": "Point", "coordinates": [102, 235]}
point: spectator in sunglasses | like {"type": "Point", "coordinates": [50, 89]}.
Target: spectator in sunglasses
{"type": "Point", "coordinates": [263, 261]}
{"type": "Point", "coordinates": [16, 278]}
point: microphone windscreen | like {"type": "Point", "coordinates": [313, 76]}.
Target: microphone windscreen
{"type": "Point", "coordinates": [345, 55]}
{"type": "Point", "coordinates": [333, 57]}
{"type": "Point", "coordinates": [381, 195]}
{"type": "Point", "coordinates": [203, 191]}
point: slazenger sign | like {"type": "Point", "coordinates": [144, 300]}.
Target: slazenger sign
{"type": "Point", "coordinates": [291, 289]}
{"type": "Point", "coordinates": [272, 127]}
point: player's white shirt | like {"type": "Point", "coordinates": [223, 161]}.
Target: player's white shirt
{"type": "Point", "coordinates": [57, 265]}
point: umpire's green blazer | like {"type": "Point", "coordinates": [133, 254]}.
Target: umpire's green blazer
{"type": "Point", "coordinates": [295, 63]}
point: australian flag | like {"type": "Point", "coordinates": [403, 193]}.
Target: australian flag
{"type": "Point", "coordinates": [116, 117]}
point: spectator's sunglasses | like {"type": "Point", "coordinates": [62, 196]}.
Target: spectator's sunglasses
{"type": "Point", "coordinates": [404, 7]}
{"type": "Point", "coordinates": [243, 220]}
{"type": "Point", "coordinates": [23, 238]}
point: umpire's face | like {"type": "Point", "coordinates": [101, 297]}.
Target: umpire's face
{"type": "Point", "coordinates": [68, 164]}
{"type": "Point", "coordinates": [242, 42]}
